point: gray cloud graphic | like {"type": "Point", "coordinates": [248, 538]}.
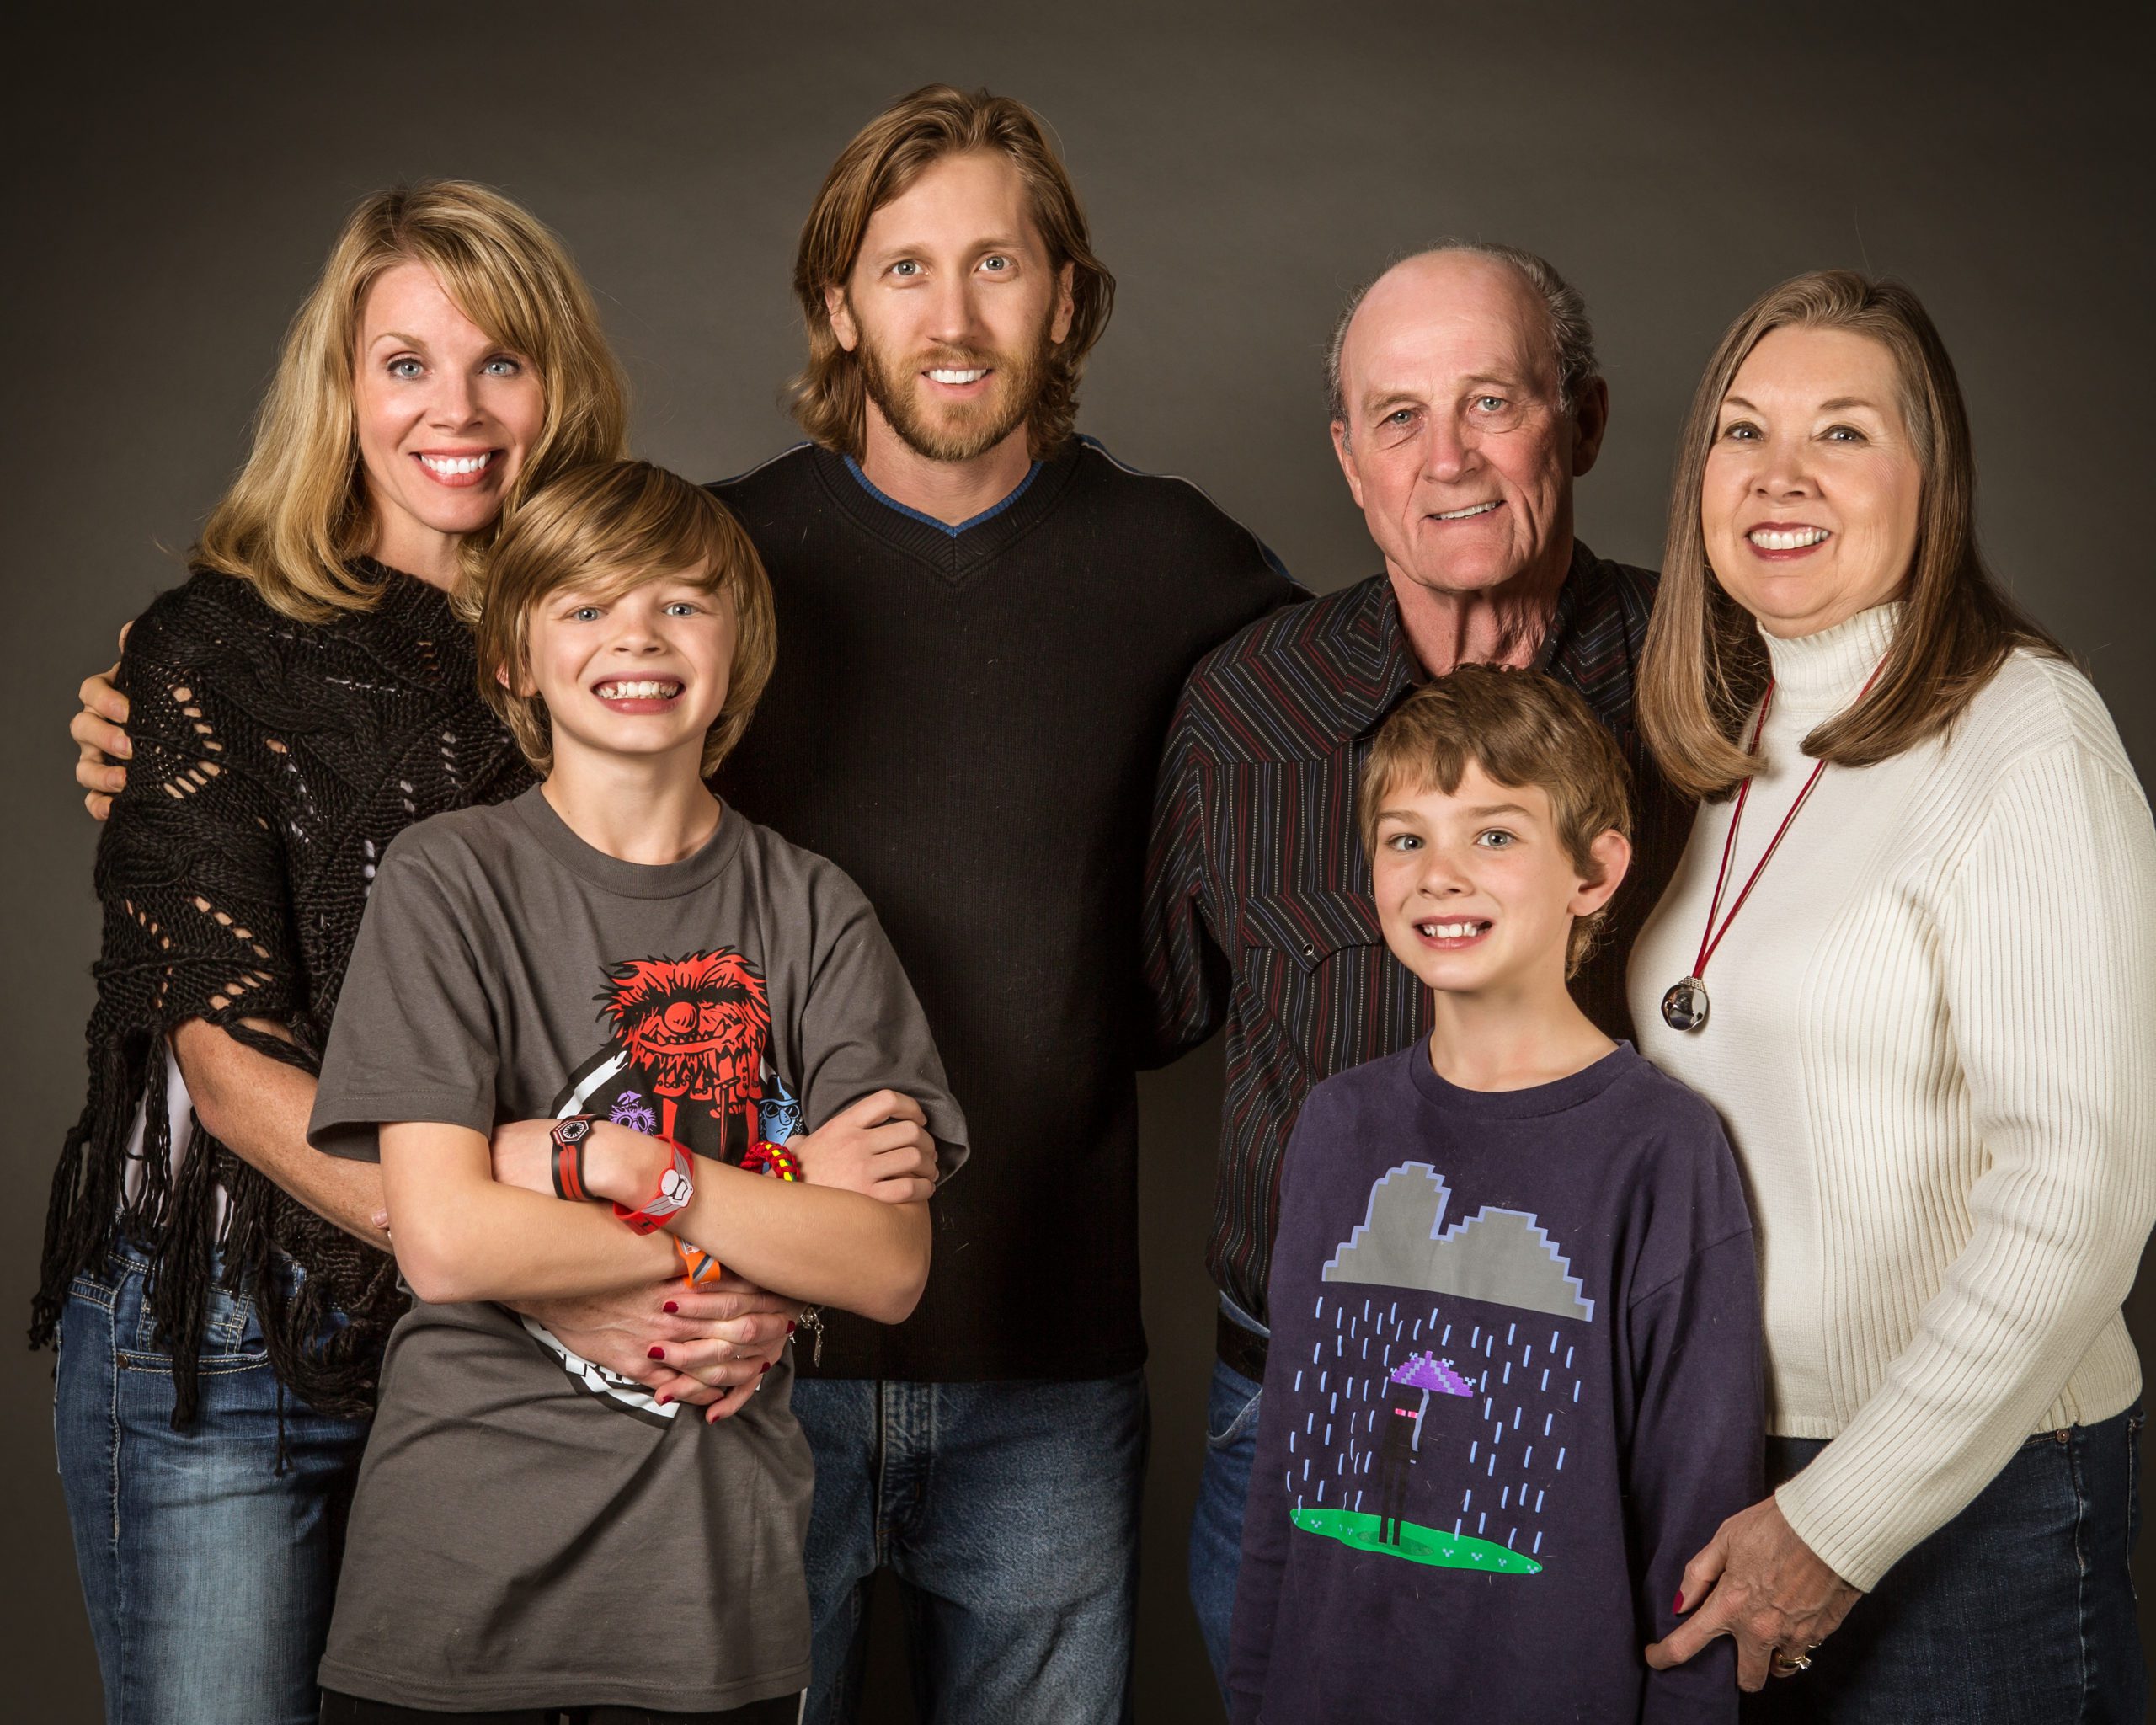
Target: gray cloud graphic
{"type": "Point", "coordinates": [1503, 1256]}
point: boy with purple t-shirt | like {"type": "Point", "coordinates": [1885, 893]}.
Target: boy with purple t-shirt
{"type": "Point", "coordinates": [1514, 1379]}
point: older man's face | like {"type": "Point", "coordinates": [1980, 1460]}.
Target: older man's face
{"type": "Point", "coordinates": [1455, 446]}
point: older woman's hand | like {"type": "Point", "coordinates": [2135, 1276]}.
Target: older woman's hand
{"type": "Point", "coordinates": [1758, 1584]}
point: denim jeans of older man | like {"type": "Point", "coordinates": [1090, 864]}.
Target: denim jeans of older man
{"type": "Point", "coordinates": [1008, 1513]}
{"type": "Point", "coordinates": [1216, 1522]}
{"type": "Point", "coordinates": [2018, 1612]}
{"type": "Point", "coordinates": [208, 1558]}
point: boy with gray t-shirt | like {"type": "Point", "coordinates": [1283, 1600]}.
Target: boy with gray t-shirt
{"type": "Point", "coordinates": [531, 1532]}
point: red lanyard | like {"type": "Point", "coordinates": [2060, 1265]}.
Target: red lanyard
{"type": "Point", "coordinates": [1710, 936]}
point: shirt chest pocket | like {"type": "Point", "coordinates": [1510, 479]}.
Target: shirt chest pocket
{"type": "Point", "coordinates": [1311, 927]}
{"type": "Point", "coordinates": [1317, 967]}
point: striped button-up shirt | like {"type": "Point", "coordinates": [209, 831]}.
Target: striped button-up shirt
{"type": "Point", "coordinates": [1258, 913]}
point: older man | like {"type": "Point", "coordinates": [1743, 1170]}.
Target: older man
{"type": "Point", "coordinates": [1465, 400]}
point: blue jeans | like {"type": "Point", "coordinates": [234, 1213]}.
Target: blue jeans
{"type": "Point", "coordinates": [1009, 1513]}
{"type": "Point", "coordinates": [207, 1572]}
{"type": "Point", "coordinates": [2018, 1612]}
{"type": "Point", "coordinates": [1216, 1525]}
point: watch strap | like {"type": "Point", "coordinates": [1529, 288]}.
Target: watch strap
{"type": "Point", "coordinates": [570, 1136]}
{"type": "Point", "coordinates": [677, 1185]}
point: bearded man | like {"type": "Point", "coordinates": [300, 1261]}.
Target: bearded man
{"type": "Point", "coordinates": [985, 620]}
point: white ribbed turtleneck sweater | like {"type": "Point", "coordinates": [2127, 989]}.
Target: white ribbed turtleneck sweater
{"type": "Point", "coordinates": [1931, 1040]}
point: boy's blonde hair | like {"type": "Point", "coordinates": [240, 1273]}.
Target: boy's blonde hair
{"type": "Point", "coordinates": [298, 512]}
{"type": "Point", "coordinates": [1521, 729]}
{"type": "Point", "coordinates": [607, 530]}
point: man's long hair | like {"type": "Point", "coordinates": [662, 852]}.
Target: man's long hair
{"type": "Point", "coordinates": [885, 158]}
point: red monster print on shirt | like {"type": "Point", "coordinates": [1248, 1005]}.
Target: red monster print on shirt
{"type": "Point", "coordinates": [687, 1055]}
{"type": "Point", "coordinates": [697, 1028]}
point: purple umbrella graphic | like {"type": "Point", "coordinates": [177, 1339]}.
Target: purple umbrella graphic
{"type": "Point", "coordinates": [1427, 1372]}
{"type": "Point", "coordinates": [1396, 1454]}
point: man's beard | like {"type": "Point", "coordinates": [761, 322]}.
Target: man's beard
{"type": "Point", "coordinates": [957, 431]}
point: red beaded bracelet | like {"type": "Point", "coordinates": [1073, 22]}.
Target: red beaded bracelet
{"type": "Point", "coordinates": [765, 1157]}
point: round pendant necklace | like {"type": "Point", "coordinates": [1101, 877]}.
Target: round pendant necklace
{"type": "Point", "coordinates": [1684, 1007]}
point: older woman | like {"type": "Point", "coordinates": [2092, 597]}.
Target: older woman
{"type": "Point", "coordinates": [1910, 957]}
{"type": "Point", "coordinates": [219, 1291]}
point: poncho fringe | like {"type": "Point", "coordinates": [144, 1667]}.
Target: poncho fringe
{"type": "Point", "coordinates": [273, 763]}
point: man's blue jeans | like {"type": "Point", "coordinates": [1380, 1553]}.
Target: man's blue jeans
{"type": "Point", "coordinates": [1216, 1525]}
{"type": "Point", "coordinates": [2018, 1612]}
{"type": "Point", "coordinates": [208, 1572]}
{"type": "Point", "coordinates": [1009, 1512]}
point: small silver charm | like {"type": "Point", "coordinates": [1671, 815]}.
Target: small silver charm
{"type": "Point", "coordinates": [1685, 1008]}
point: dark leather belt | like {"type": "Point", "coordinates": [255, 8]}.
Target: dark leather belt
{"type": "Point", "coordinates": [1240, 1349]}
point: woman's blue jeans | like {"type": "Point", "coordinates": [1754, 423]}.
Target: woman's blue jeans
{"type": "Point", "coordinates": [2018, 1612]}
{"type": "Point", "coordinates": [207, 1567]}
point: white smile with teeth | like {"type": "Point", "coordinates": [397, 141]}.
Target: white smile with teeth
{"type": "Point", "coordinates": [1473, 508]}
{"type": "Point", "coordinates": [1768, 540]}
{"type": "Point", "coordinates": [648, 690]}
{"type": "Point", "coordinates": [450, 466]}
{"type": "Point", "coordinates": [973, 376]}
{"type": "Point", "coordinates": [1448, 931]}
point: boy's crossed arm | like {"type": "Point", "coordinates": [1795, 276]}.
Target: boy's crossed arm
{"type": "Point", "coordinates": [706, 1346]}
{"type": "Point", "coordinates": [460, 1235]}
{"type": "Point", "coordinates": [476, 1222]}
{"type": "Point", "coordinates": [709, 1345]}
{"type": "Point", "coordinates": [864, 1250]}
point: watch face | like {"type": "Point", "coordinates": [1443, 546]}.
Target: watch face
{"type": "Point", "coordinates": [573, 1131]}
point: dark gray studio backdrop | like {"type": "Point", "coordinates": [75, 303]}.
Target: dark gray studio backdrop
{"type": "Point", "coordinates": [176, 184]}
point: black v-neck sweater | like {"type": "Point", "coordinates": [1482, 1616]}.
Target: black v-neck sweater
{"type": "Point", "coordinates": [968, 722]}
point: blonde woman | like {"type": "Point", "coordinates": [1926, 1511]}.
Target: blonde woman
{"type": "Point", "coordinates": [219, 1292]}
{"type": "Point", "coordinates": [1910, 955]}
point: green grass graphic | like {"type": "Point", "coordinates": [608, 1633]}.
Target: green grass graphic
{"type": "Point", "coordinates": [1418, 1544]}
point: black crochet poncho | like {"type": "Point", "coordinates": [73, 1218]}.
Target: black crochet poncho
{"type": "Point", "coordinates": [274, 761]}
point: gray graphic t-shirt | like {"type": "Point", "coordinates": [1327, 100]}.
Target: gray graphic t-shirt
{"type": "Point", "coordinates": [529, 1530]}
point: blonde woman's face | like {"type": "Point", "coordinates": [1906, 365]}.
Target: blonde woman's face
{"type": "Point", "coordinates": [1813, 488]}
{"type": "Point", "coordinates": [445, 417]}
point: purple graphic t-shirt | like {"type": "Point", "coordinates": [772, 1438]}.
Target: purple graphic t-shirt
{"type": "Point", "coordinates": [1513, 1385]}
